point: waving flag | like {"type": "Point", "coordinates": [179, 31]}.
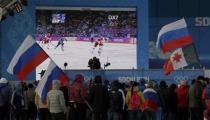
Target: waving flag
{"type": "Point", "coordinates": [53, 72]}
{"type": "Point", "coordinates": [28, 56]}
{"type": "Point", "coordinates": [173, 35]}
{"type": "Point", "coordinates": [180, 58]}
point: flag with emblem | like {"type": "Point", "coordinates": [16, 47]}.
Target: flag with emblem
{"type": "Point", "coordinates": [180, 58]}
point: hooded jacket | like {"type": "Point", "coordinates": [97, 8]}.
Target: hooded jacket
{"type": "Point", "coordinates": [99, 98]}
{"type": "Point", "coordinates": [5, 94]}
{"type": "Point", "coordinates": [195, 95]}
{"type": "Point", "coordinates": [77, 91]}
{"type": "Point", "coordinates": [182, 92]}
{"type": "Point", "coordinates": [55, 99]}
{"type": "Point", "coordinates": [17, 99]}
{"type": "Point", "coordinates": [151, 99]}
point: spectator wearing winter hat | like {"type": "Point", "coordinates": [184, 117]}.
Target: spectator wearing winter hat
{"type": "Point", "coordinates": [99, 99]}
{"type": "Point", "coordinates": [151, 101]}
{"type": "Point", "coordinates": [171, 102]}
{"type": "Point", "coordinates": [116, 101]}
{"type": "Point", "coordinates": [195, 99]}
{"type": "Point", "coordinates": [77, 96]}
{"type": "Point", "coordinates": [18, 102]}
{"type": "Point", "coordinates": [161, 94]}
{"type": "Point", "coordinates": [5, 98]}
{"type": "Point", "coordinates": [56, 102]}
{"type": "Point", "coordinates": [182, 92]}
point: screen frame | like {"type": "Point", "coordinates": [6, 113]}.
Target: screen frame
{"type": "Point", "coordinates": [101, 8]}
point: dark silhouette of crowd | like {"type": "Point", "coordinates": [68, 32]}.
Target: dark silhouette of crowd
{"type": "Point", "coordinates": [102, 100]}
{"type": "Point", "coordinates": [88, 23]}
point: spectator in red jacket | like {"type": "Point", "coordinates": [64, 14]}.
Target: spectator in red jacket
{"type": "Point", "coordinates": [77, 96]}
{"type": "Point", "coordinates": [182, 92]}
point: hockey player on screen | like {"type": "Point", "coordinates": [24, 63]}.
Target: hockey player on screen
{"type": "Point", "coordinates": [46, 40]}
{"type": "Point", "coordinates": [61, 42]}
{"type": "Point", "coordinates": [98, 43]}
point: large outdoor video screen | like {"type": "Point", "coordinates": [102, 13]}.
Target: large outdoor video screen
{"type": "Point", "coordinates": [76, 34]}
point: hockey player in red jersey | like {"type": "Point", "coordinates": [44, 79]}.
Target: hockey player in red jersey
{"type": "Point", "coordinates": [46, 40]}
{"type": "Point", "coordinates": [98, 43]}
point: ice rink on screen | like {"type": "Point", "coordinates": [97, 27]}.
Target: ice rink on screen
{"type": "Point", "coordinates": [78, 53]}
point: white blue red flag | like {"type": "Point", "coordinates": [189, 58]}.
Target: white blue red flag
{"type": "Point", "coordinates": [173, 35]}
{"type": "Point", "coordinates": [53, 72]}
{"type": "Point", "coordinates": [150, 99]}
{"type": "Point", "coordinates": [28, 56]}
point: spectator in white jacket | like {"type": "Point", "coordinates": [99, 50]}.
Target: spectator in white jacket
{"type": "Point", "coordinates": [56, 102]}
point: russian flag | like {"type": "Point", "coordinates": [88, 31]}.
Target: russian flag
{"type": "Point", "coordinates": [151, 99]}
{"type": "Point", "coordinates": [53, 72]}
{"type": "Point", "coordinates": [173, 35]}
{"type": "Point", "coordinates": [28, 56]}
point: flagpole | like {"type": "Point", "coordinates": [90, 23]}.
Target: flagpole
{"type": "Point", "coordinates": [88, 105]}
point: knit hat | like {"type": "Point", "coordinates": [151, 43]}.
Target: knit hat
{"type": "Point", "coordinates": [3, 80]}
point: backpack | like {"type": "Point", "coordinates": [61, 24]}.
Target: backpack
{"type": "Point", "coordinates": [134, 102]}
{"type": "Point", "coordinates": [115, 101]}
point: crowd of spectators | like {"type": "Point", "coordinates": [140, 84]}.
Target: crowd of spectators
{"type": "Point", "coordinates": [98, 100]}
{"type": "Point", "coordinates": [88, 23]}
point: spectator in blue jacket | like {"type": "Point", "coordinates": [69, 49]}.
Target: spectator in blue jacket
{"type": "Point", "coordinates": [151, 103]}
{"type": "Point", "coordinates": [5, 97]}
